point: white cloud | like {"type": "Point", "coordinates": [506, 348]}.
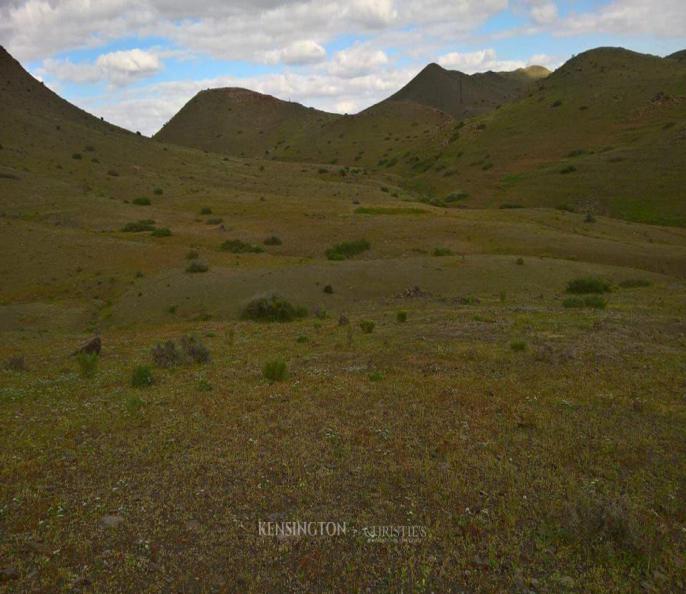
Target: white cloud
{"type": "Point", "coordinates": [117, 68]}
{"type": "Point", "coordinates": [478, 61]}
{"type": "Point", "coordinates": [299, 52]}
{"type": "Point", "coordinates": [543, 12]}
{"type": "Point", "coordinates": [626, 17]}
{"type": "Point", "coordinates": [357, 60]}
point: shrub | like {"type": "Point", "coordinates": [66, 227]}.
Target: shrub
{"type": "Point", "coordinates": [510, 205]}
{"type": "Point", "coordinates": [76, 156]}
{"type": "Point", "coordinates": [272, 308]}
{"type": "Point", "coordinates": [518, 346]}
{"type": "Point", "coordinates": [161, 232]}
{"type": "Point", "coordinates": [520, 261]}
{"type": "Point", "coordinates": [192, 255]}
{"type": "Point", "coordinates": [205, 210]}
{"type": "Point", "coordinates": [158, 191]}
{"type": "Point", "coordinates": [196, 266]}
{"type": "Point", "coordinates": [273, 240]}
{"type": "Point", "coordinates": [367, 326]}
{"type": "Point", "coordinates": [582, 286]}
{"type": "Point", "coordinates": [455, 196]}
{"type": "Point", "coordinates": [632, 283]}
{"type": "Point", "coordinates": [142, 377]}
{"type": "Point", "coordinates": [301, 339]}
{"type": "Point", "coordinates": [139, 226]}
{"type": "Point", "coordinates": [401, 317]}
{"type": "Point", "coordinates": [568, 169]}
{"type": "Point", "coordinates": [275, 370]}
{"type": "Point", "coordinates": [347, 249]}
{"type": "Point", "coordinates": [113, 173]}
{"type": "Point", "coordinates": [328, 289]}
{"type": "Point", "coordinates": [236, 246]}
{"type": "Point", "coordinates": [166, 355]}
{"type": "Point", "coordinates": [556, 103]}
{"type": "Point", "coordinates": [589, 218]}
{"type": "Point", "coordinates": [194, 349]}
{"type": "Point", "coordinates": [375, 376]}
{"type": "Point", "coordinates": [439, 251]}
{"type": "Point", "coordinates": [88, 364]}
{"type": "Point", "coordinates": [141, 201]}
{"type": "Point", "coordinates": [573, 302]}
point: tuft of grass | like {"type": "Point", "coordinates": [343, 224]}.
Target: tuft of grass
{"type": "Point", "coordinates": [139, 226]}
{"type": "Point", "coordinates": [367, 326]}
{"type": "Point", "coordinates": [328, 289]}
{"type": "Point", "coordinates": [593, 301]}
{"type": "Point", "coordinates": [273, 240]}
{"type": "Point", "coordinates": [347, 249]}
{"type": "Point", "coordinates": [142, 377]}
{"type": "Point", "coordinates": [519, 261]}
{"type": "Point", "coordinates": [205, 210]}
{"type": "Point", "coordinates": [141, 201]}
{"type": "Point", "coordinates": [401, 317]}
{"type": "Point", "coordinates": [88, 364]}
{"type": "Point", "coordinates": [585, 285]}
{"type": "Point", "coordinates": [196, 266]}
{"type": "Point", "coordinates": [567, 169]}
{"type": "Point", "coordinates": [375, 376]}
{"type": "Point", "coordinates": [518, 346]}
{"type": "Point", "coordinates": [272, 308]}
{"type": "Point", "coordinates": [158, 191]}
{"type": "Point", "coordinates": [439, 251]}
{"type": "Point", "coordinates": [275, 370]}
{"type": "Point", "coordinates": [161, 232]}
{"type": "Point", "coordinates": [166, 355]}
{"type": "Point", "coordinates": [194, 350]}
{"type": "Point", "coordinates": [236, 246]}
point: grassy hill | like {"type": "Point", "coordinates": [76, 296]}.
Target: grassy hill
{"type": "Point", "coordinates": [464, 96]}
{"type": "Point", "coordinates": [241, 122]}
{"type": "Point", "coordinates": [443, 377]}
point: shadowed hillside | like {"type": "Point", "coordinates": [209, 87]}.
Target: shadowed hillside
{"type": "Point", "coordinates": [462, 95]}
{"type": "Point", "coordinates": [241, 122]}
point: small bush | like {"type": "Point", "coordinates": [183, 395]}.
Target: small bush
{"type": "Point", "coordinates": [401, 317]}
{"type": "Point", "coordinates": [76, 156]}
{"type": "Point", "coordinates": [520, 261]}
{"type": "Point", "coordinates": [139, 226]}
{"type": "Point", "coordinates": [589, 218]}
{"type": "Point", "coordinates": [518, 346]}
{"type": "Point", "coordinates": [194, 349]}
{"type": "Point", "coordinates": [158, 191]}
{"type": "Point", "coordinates": [206, 210]}
{"type": "Point", "coordinates": [301, 339]}
{"type": "Point", "coordinates": [273, 240]}
{"type": "Point", "coordinates": [166, 355]}
{"type": "Point", "coordinates": [113, 173]}
{"type": "Point", "coordinates": [347, 249]}
{"type": "Point", "coordinates": [88, 364]}
{"type": "Point", "coordinates": [510, 205]}
{"type": "Point", "coordinates": [275, 370]}
{"type": "Point", "coordinates": [196, 266]}
{"type": "Point", "coordinates": [367, 326]}
{"type": "Point", "coordinates": [633, 283]}
{"type": "Point", "coordinates": [439, 251]}
{"type": "Point", "coordinates": [272, 309]}
{"type": "Point", "coordinates": [593, 301]}
{"type": "Point", "coordinates": [582, 286]}
{"type": "Point", "coordinates": [375, 376]}
{"type": "Point", "coordinates": [142, 377]}
{"type": "Point", "coordinates": [161, 232]}
{"type": "Point", "coordinates": [556, 103]}
{"type": "Point", "coordinates": [141, 201]}
{"type": "Point", "coordinates": [568, 169]}
{"type": "Point", "coordinates": [328, 289]}
{"type": "Point", "coordinates": [236, 246]}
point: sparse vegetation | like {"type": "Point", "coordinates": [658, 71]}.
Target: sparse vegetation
{"type": "Point", "coordinates": [592, 301]}
{"type": "Point", "coordinates": [367, 326]}
{"type": "Point", "coordinates": [141, 201]}
{"type": "Point", "coordinates": [589, 284]}
{"type": "Point", "coordinates": [518, 346]}
{"type": "Point", "coordinates": [347, 249]}
{"type": "Point", "coordinates": [196, 266]}
{"type": "Point", "coordinates": [88, 364]}
{"type": "Point", "coordinates": [236, 246]}
{"type": "Point", "coordinates": [633, 283]}
{"type": "Point", "coordinates": [275, 370]}
{"type": "Point", "coordinates": [139, 226]}
{"type": "Point", "coordinates": [161, 232]}
{"type": "Point", "coordinates": [441, 251]}
{"type": "Point", "coordinates": [272, 308]}
{"type": "Point", "coordinates": [142, 377]}
{"type": "Point", "coordinates": [273, 240]}
{"type": "Point", "coordinates": [401, 317]}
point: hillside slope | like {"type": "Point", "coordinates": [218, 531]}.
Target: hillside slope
{"type": "Point", "coordinates": [240, 122]}
{"type": "Point", "coordinates": [463, 95]}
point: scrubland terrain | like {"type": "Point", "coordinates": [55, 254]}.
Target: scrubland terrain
{"type": "Point", "coordinates": [510, 379]}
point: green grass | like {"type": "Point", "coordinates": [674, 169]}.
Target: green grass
{"type": "Point", "coordinates": [275, 370]}
{"type": "Point", "coordinates": [347, 249]}
{"type": "Point", "coordinates": [379, 210]}
{"type": "Point", "coordinates": [142, 377]}
{"type": "Point", "coordinates": [272, 309]}
{"type": "Point", "coordinates": [236, 246]}
{"type": "Point", "coordinates": [581, 286]}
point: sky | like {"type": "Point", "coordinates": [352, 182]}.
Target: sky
{"type": "Point", "coordinates": [137, 62]}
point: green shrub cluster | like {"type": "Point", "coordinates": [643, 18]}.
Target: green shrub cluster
{"type": "Point", "coordinates": [347, 249]}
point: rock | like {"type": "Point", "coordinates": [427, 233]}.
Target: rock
{"type": "Point", "coordinates": [111, 521]}
{"type": "Point", "coordinates": [92, 346]}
